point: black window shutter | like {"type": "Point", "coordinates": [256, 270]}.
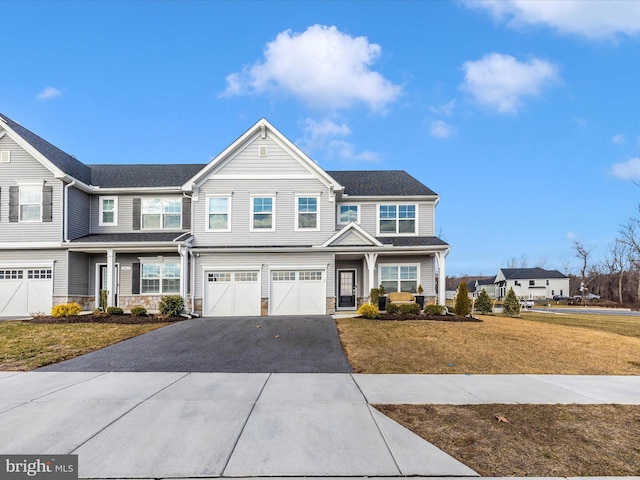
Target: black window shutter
{"type": "Point", "coordinates": [137, 212]}
{"type": "Point", "coordinates": [14, 203]}
{"type": "Point", "coordinates": [47, 202]}
{"type": "Point", "coordinates": [186, 213]}
{"type": "Point", "coordinates": [135, 279]}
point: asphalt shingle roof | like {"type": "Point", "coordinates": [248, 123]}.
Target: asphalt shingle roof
{"type": "Point", "coordinates": [530, 273]}
{"type": "Point", "coordinates": [131, 237]}
{"type": "Point", "coordinates": [141, 175]}
{"type": "Point", "coordinates": [65, 162]}
{"type": "Point", "coordinates": [412, 241]}
{"type": "Point", "coordinates": [380, 183]}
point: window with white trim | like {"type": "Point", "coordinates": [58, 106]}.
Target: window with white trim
{"type": "Point", "coordinates": [397, 219]}
{"type": "Point", "coordinates": [399, 278]}
{"type": "Point", "coordinates": [283, 276]}
{"type": "Point", "coordinates": [11, 274]}
{"type": "Point", "coordinates": [219, 213]}
{"type": "Point", "coordinates": [348, 214]}
{"type": "Point", "coordinates": [307, 213]}
{"type": "Point", "coordinates": [246, 276]}
{"type": "Point", "coordinates": [42, 274]}
{"type": "Point", "coordinates": [108, 211]}
{"type": "Point", "coordinates": [223, 277]}
{"type": "Point", "coordinates": [262, 213]}
{"type": "Point", "coordinates": [160, 278]}
{"type": "Point", "coordinates": [310, 276]}
{"type": "Point", "coordinates": [161, 213]}
{"type": "Point", "coordinates": [30, 203]}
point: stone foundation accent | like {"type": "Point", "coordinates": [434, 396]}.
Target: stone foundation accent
{"type": "Point", "coordinates": [88, 303]}
{"type": "Point", "coordinates": [150, 302]}
{"type": "Point", "coordinates": [331, 305]}
{"type": "Point", "coordinates": [264, 307]}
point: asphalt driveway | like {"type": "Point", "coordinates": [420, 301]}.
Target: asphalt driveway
{"type": "Point", "coordinates": [287, 344]}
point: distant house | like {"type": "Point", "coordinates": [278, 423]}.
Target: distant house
{"type": "Point", "coordinates": [475, 287]}
{"type": "Point", "coordinates": [533, 283]}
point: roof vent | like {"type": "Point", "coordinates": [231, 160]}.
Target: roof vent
{"type": "Point", "coordinates": [5, 156]}
{"type": "Point", "coordinates": [263, 151]}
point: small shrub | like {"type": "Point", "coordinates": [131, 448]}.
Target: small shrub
{"type": "Point", "coordinates": [103, 300]}
{"type": "Point", "coordinates": [434, 310]}
{"type": "Point", "coordinates": [463, 302]}
{"type": "Point", "coordinates": [412, 308]}
{"type": "Point", "coordinates": [483, 303]}
{"type": "Point", "coordinates": [139, 312]}
{"type": "Point", "coordinates": [511, 305]}
{"type": "Point", "coordinates": [381, 290]}
{"type": "Point", "coordinates": [66, 310]}
{"type": "Point", "coordinates": [393, 308]}
{"type": "Point", "coordinates": [171, 306]}
{"type": "Point", "coordinates": [374, 295]}
{"type": "Point", "coordinates": [114, 311]}
{"type": "Point", "coordinates": [367, 310]}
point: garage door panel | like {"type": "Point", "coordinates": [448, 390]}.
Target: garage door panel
{"type": "Point", "coordinates": [24, 291]}
{"type": "Point", "coordinates": [13, 297]}
{"type": "Point", "coordinates": [232, 294]}
{"type": "Point", "coordinates": [298, 292]}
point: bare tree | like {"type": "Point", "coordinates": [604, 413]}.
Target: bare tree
{"type": "Point", "coordinates": [630, 235]}
{"type": "Point", "coordinates": [618, 261]}
{"type": "Point", "coordinates": [513, 262]}
{"type": "Point", "coordinates": [541, 262]}
{"type": "Point", "coordinates": [582, 252]}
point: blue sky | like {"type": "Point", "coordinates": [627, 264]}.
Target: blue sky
{"type": "Point", "coordinates": [523, 116]}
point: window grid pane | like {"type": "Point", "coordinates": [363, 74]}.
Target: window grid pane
{"type": "Point", "coordinates": [218, 213]}
{"type": "Point", "coordinates": [348, 213]}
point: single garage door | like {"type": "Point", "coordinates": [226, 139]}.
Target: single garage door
{"type": "Point", "coordinates": [298, 292]}
{"type": "Point", "coordinates": [232, 294]}
{"type": "Point", "coordinates": [25, 290]}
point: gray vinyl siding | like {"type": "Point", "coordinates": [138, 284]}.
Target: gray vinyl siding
{"type": "Point", "coordinates": [24, 168]}
{"type": "Point", "coordinates": [79, 211]}
{"type": "Point", "coordinates": [248, 161]}
{"type": "Point", "coordinates": [79, 280]}
{"type": "Point", "coordinates": [266, 260]}
{"type": "Point", "coordinates": [284, 192]}
{"type": "Point", "coordinates": [125, 214]}
{"type": "Point", "coordinates": [20, 258]}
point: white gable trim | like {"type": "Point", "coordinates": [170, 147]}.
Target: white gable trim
{"type": "Point", "coordinates": [260, 129]}
{"type": "Point", "coordinates": [32, 151]}
{"type": "Point", "coordinates": [358, 230]}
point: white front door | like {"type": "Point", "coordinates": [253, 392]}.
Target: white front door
{"type": "Point", "coordinates": [232, 294]}
{"type": "Point", "coordinates": [298, 292]}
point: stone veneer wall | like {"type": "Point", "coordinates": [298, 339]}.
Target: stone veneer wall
{"type": "Point", "coordinates": [150, 302]}
{"type": "Point", "coordinates": [86, 302]}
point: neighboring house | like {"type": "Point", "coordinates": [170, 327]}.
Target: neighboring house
{"type": "Point", "coordinates": [475, 287]}
{"type": "Point", "coordinates": [531, 283]}
{"type": "Point", "coordinates": [259, 230]}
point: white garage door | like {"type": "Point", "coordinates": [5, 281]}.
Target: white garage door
{"type": "Point", "coordinates": [232, 294]}
{"type": "Point", "coordinates": [298, 292]}
{"type": "Point", "coordinates": [25, 290]}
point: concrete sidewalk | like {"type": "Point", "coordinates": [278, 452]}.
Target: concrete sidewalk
{"type": "Point", "coordinates": [187, 425]}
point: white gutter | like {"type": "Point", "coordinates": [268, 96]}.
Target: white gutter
{"type": "Point", "coordinates": [66, 211]}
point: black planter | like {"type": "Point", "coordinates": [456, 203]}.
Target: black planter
{"type": "Point", "coordinates": [420, 301]}
{"type": "Point", "coordinates": [382, 303]}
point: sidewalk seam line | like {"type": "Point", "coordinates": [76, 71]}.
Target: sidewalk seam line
{"type": "Point", "coordinates": [384, 439]}
{"type": "Point", "coordinates": [127, 412]}
{"type": "Point", "coordinates": [235, 444]}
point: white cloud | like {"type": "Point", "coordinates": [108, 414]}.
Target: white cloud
{"type": "Point", "coordinates": [571, 236]}
{"type": "Point", "coordinates": [629, 170]}
{"type": "Point", "coordinates": [440, 129]}
{"type": "Point", "coordinates": [328, 135]}
{"type": "Point", "coordinates": [49, 93]}
{"type": "Point", "coordinates": [446, 109]}
{"type": "Point", "coordinates": [594, 19]}
{"type": "Point", "coordinates": [321, 66]}
{"type": "Point", "coordinates": [346, 151]}
{"type": "Point", "coordinates": [502, 82]}
{"type": "Point", "coordinates": [618, 139]}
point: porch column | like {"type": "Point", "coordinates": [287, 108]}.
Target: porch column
{"type": "Point", "coordinates": [111, 278]}
{"type": "Point", "coordinates": [371, 258]}
{"type": "Point", "coordinates": [442, 278]}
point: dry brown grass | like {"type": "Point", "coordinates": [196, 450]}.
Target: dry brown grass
{"type": "Point", "coordinates": [537, 440]}
{"type": "Point", "coordinates": [26, 346]}
{"type": "Point", "coordinates": [498, 345]}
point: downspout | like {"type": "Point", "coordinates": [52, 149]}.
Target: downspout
{"type": "Point", "coordinates": [193, 284]}
{"type": "Point", "coordinates": [66, 211]}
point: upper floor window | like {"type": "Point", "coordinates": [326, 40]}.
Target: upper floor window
{"type": "Point", "coordinates": [348, 213]}
{"type": "Point", "coordinates": [218, 213]}
{"type": "Point", "coordinates": [262, 213]}
{"type": "Point", "coordinates": [108, 210]}
{"type": "Point", "coordinates": [397, 219]}
{"type": "Point", "coordinates": [161, 213]}
{"type": "Point", "coordinates": [307, 213]}
{"type": "Point", "coordinates": [30, 203]}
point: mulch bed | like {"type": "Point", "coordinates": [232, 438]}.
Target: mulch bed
{"type": "Point", "coordinates": [93, 318]}
{"type": "Point", "coordinates": [434, 318]}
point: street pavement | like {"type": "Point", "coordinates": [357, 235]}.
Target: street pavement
{"type": "Point", "coordinates": [190, 425]}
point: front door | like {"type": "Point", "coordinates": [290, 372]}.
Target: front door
{"type": "Point", "coordinates": [347, 288]}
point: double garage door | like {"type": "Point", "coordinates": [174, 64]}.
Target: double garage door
{"type": "Point", "coordinates": [25, 290]}
{"type": "Point", "coordinates": [291, 292]}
